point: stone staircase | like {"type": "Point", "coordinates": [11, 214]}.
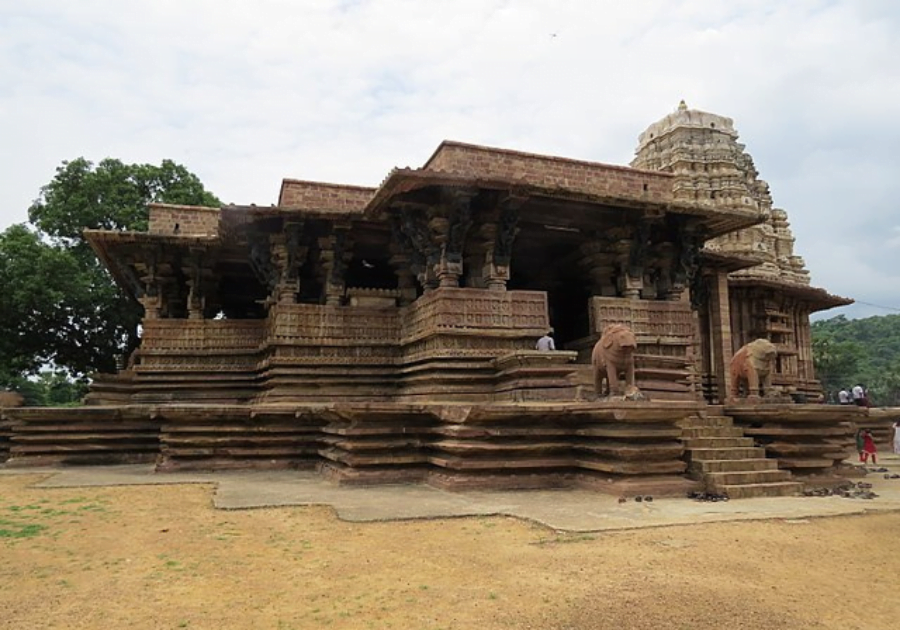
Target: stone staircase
{"type": "Point", "coordinates": [727, 463]}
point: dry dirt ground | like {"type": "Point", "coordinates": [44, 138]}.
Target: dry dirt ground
{"type": "Point", "coordinates": [163, 557]}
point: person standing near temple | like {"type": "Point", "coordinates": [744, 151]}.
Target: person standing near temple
{"type": "Point", "coordinates": [859, 396]}
{"type": "Point", "coordinates": [896, 427]}
{"type": "Point", "coordinates": [844, 396]}
{"type": "Point", "coordinates": [860, 444]}
{"type": "Point", "coordinates": [546, 342]}
{"type": "Point", "coordinates": [869, 448]}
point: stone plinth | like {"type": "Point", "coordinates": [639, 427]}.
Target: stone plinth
{"type": "Point", "coordinates": [531, 375]}
{"type": "Point", "coordinates": [38, 436]}
{"type": "Point", "coordinates": [806, 439]}
{"type": "Point", "coordinates": [237, 437]}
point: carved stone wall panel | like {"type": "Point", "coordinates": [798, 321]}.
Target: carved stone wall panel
{"type": "Point", "coordinates": [202, 335]}
{"type": "Point", "coordinates": [647, 318]}
{"type": "Point", "coordinates": [291, 323]}
{"type": "Point", "coordinates": [448, 309]}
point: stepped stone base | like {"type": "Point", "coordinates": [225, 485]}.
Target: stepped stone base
{"type": "Point", "coordinates": [753, 490]}
{"type": "Point", "coordinates": [726, 462]}
{"type": "Point", "coordinates": [659, 486]}
{"type": "Point", "coordinates": [647, 448]}
{"type": "Point", "coordinates": [700, 467]}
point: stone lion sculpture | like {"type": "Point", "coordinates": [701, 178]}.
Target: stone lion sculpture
{"type": "Point", "coordinates": [752, 368]}
{"type": "Point", "coordinates": [613, 355]}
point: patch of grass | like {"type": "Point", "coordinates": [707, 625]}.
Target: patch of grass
{"type": "Point", "coordinates": [15, 529]}
{"type": "Point", "coordinates": [74, 500]}
{"type": "Point", "coordinates": [43, 517]}
{"type": "Point", "coordinates": [564, 539]}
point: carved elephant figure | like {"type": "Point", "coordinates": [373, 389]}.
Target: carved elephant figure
{"type": "Point", "coordinates": [752, 368]}
{"type": "Point", "coordinates": [613, 354]}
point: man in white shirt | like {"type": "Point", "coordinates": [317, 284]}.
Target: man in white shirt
{"type": "Point", "coordinates": [859, 395]}
{"type": "Point", "coordinates": [546, 343]}
{"type": "Point", "coordinates": [844, 397]}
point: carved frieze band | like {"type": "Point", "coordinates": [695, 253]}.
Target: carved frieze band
{"type": "Point", "coordinates": [476, 309]}
{"type": "Point", "coordinates": [647, 318]}
{"type": "Point", "coordinates": [202, 335]}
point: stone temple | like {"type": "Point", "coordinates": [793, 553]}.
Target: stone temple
{"type": "Point", "coordinates": [388, 334]}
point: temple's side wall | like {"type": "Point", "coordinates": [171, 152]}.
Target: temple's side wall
{"type": "Point", "coordinates": [191, 220]}
{"type": "Point", "coordinates": [302, 195]}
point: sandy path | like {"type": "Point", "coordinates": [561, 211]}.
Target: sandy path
{"type": "Point", "coordinates": [162, 557]}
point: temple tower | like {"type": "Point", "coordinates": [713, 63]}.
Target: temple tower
{"type": "Point", "coordinates": [769, 294]}
{"type": "Point", "coordinates": [712, 168]}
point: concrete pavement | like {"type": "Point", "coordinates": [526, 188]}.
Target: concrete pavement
{"type": "Point", "coordinates": [562, 510]}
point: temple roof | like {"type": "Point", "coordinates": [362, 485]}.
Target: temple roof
{"type": "Point", "coordinates": [818, 299]}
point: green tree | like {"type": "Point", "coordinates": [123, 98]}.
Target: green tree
{"type": "Point", "coordinates": [60, 306]}
{"type": "Point", "coordinates": [864, 351]}
{"type": "Point", "coordinates": [836, 362]}
{"type": "Point", "coordinates": [50, 388]}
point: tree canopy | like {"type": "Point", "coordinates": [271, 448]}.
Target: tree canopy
{"type": "Point", "coordinates": [60, 306]}
{"type": "Point", "coordinates": [859, 351]}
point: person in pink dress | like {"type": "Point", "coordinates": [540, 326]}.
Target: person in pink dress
{"type": "Point", "coordinates": [869, 448]}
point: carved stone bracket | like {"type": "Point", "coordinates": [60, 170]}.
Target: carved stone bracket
{"type": "Point", "coordinates": [415, 226]}
{"type": "Point", "coordinates": [406, 261]}
{"type": "Point", "coordinates": [507, 228]}
{"type": "Point", "coordinates": [687, 267]}
{"type": "Point", "coordinates": [261, 259]}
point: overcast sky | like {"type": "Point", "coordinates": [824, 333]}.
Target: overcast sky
{"type": "Point", "coordinates": [246, 93]}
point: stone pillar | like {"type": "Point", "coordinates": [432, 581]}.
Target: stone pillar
{"type": "Point", "coordinates": [500, 237]}
{"type": "Point", "coordinates": [720, 332]}
{"type": "Point", "coordinates": [288, 255]}
{"type": "Point", "coordinates": [451, 229]}
{"type": "Point", "coordinates": [406, 281]}
{"type": "Point", "coordinates": [152, 306]}
{"type": "Point", "coordinates": [597, 261]}
{"type": "Point", "coordinates": [638, 251]}
{"type": "Point", "coordinates": [335, 255]}
{"type": "Point", "coordinates": [492, 276]}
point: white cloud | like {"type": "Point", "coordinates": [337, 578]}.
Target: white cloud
{"type": "Point", "coordinates": [245, 93]}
